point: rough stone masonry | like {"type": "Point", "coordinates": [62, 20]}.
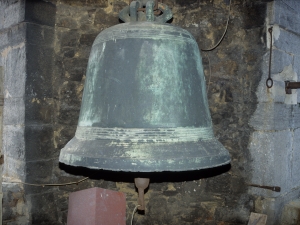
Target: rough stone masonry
{"type": "Point", "coordinates": [44, 49]}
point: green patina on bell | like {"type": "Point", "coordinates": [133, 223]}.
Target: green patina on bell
{"type": "Point", "coordinates": [144, 105]}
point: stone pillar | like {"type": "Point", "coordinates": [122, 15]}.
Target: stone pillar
{"type": "Point", "coordinates": [26, 47]}
{"type": "Point", "coordinates": [1, 136]}
{"type": "Point", "coordinates": [12, 61]}
{"type": "Point", "coordinates": [276, 121]}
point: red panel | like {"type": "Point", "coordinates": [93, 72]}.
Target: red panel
{"type": "Point", "coordinates": [97, 206]}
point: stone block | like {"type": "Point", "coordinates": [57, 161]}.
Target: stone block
{"type": "Point", "coordinates": [39, 143]}
{"type": "Point", "coordinates": [71, 92]}
{"type": "Point", "coordinates": [14, 206]}
{"type": "Point", "coordinates": [97, 206]}
{"type": "Point", "coordinates": [68, 115]}
{"type": "Point", "coordinates": [269, 95]}
{"type": "Point", "coordinates": [280, 60]}
{"type": "Point", "coordinates": [232, 215]}
{"type": "Point", "coordinates": [270, 207]}
{"type": "Point", "coordinates": [291, 213]}
{"type": "Point", "coordinates": [12, 37]}
{"type": "Point", "coordinates": [39, 35]}
{"type": "Point", "coordinates": [292, 4]}
{"type": "Point", "coordinates": [104, 19]}
{"type": "Point", "coordinates": [185, 2]}
{"type": "Point", "coordinates": [286, 41]}
{"type": "Point", "coordinates": [87, 39]}
{"type": "Point", "coordinates": [75, 69]}
{"type": "Point", "coordinates": [86, 21]}
{"type": "Point", "coordinates": [119, 5]}
{"type": "Point", "coordinates": [43, 208]}
{"type": "Point", "coordinates": [39, 71]}
{"type": "Point", "coordinates": [297, 66]}
{"type": "Point", "coordinates": [257, 218]}
{"type": "Point", "coordinates": [256, 15]}
{"type": "Point", "coordinates": [13, 142]}
{"type": "Point", "coordinates": [286, 15]}
{"type": "Point", "coordinates": [12, 12]}
{"type": "Point", "coordinates": [271, 153]}
{"type": "Point", "coordinates": [277, 92]}
{"type": "Point", "coordinates": [97, 3]}
{"type": "Point", "coordinates": [14, 168]}
{"type": "Point", "coordinates": [14, 111]}
{"type": "Point", "coordinates": [68, 52]}
{"type": "Point", "coordinates": [14, 60]}
{"type": "Point", "coordinates": [39, 172]}
{"type": "Point", "coordinates": [272, 116]}
{"type": "Point", "coordinates": [40, 12]}
{"type": "Point", "coordinates": [297, 71]}
{"type": "Point", "coordinates": [64, 134]}
{"type": "Point", "coordinates": [295, 159]}
{"type": "Point", "coordinates": [219, 184]}
{"type": "Point", "coordinates": [67, 22]}
{"type": "Point", "coordinates": [61, 198]}
{"type": "Point", "coordinates": [296, 116]}
{"type": "Point", "coordinates": [68, 38]}
{"type": "Point", "coordinates": [39, 110]}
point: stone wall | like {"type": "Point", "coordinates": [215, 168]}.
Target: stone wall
{"type": "Point", "coordinates": [26, 46]}
{"type": "Point", "coordinates": [12, 61]}
{"type": "Point", "coordinates": [274, 143]}
{"type": "Point", "coordinates": [58, 39]}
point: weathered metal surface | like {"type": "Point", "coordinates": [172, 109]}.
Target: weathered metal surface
{"type": "Point", "coordinates": [144, 105]}
{"type": "Point", "coordinates": [146, 10]}
{"type": "Point", "coordinates": [273, 188]}
{"type": "Point", "coordinates": [289, 85]}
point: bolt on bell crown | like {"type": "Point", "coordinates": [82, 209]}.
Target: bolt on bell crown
{"type": "Point", "coordinates": [144, 105]}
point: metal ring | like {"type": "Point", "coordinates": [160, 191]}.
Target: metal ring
{"type": "Point", "coordinates": [271, 82]}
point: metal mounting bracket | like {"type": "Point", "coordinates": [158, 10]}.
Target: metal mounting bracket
{"type": "Point", "coordinates": [289, 85]}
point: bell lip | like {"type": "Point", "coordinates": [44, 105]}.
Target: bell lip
{"type": "Point", "coordinates": [73, 155]}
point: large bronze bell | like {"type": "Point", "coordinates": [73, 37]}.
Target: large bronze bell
{"type": "Point", "coordinates": [144, 106]}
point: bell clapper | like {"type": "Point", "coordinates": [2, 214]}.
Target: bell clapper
{"type": "Point", "coordinates": [141, 184]}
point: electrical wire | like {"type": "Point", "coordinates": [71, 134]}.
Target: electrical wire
{"type": "Point", "coordinates": [133, 212]}
{"type": "Point", "coordinates": [43, 185]}
{"type": "Point", "coordinates": [208, 83]}
{"type": "Point", "coordinates": [216, 45]}
{"type": "Point", "coordinates": [221, 39]}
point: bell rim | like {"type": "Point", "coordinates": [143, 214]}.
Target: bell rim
{"type": "Point", "coordinates": [110, 156]}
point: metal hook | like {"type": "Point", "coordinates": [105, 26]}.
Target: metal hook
{"type": "Point", "coordinates": [269, 81]}
{"type": "Point", "coordinates": [134, 5]}
{"type": "Point", "coordinates": [149, 11]}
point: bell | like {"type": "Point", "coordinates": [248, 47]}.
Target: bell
{"type": "Point", "coordinates": [144, 105]}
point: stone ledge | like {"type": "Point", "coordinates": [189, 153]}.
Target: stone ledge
{"type": "Point", "coordinates": [291, 213]}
